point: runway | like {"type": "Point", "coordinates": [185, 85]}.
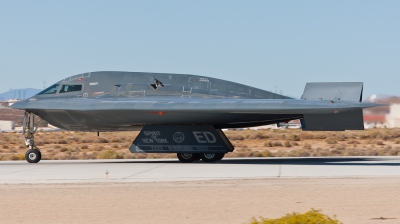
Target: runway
{"type": "Point", "coordinates": [156, 170]}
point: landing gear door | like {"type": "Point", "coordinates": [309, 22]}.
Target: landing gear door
{"type": "Point", "coordinates": [180, 138]}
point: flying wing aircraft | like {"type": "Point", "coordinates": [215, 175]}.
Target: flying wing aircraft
{"type": "Point", "coordinates": [183, 114]}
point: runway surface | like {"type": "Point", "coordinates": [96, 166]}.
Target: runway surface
{"type": "Point", "coordinates": [154, 170]}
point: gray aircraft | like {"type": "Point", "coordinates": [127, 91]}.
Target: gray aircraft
{"type": "Point", "coordinates": [183, 114]}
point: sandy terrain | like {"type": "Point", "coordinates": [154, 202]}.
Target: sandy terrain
{"type": "Point", "coordinates": [224, 201]}
{"type": "Point", "coordinates": [65, 145]}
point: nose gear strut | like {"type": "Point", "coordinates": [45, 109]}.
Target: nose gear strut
{"type": "Point", "coordinates": [33, 155]}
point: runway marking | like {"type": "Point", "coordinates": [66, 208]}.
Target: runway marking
{"type": "Point", "coordinates": [144, 171]}
{"type": "Point", "coordinates": [35, 168]}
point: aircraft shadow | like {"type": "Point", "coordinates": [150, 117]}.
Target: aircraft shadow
{"type": "Point", "coordinates": [345, 161]}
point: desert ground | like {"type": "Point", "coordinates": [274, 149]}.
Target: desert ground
{"type": "Point", "coordinates": [352, 200]}
{"type": "Point", "coordinates": [248, 143]}
{"type": "Point", "coordinates": [219, 201]}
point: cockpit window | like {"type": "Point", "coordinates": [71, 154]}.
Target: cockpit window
{"type": "Point", "coordinates": [70, 88]}
{"type": "Point", "coordinates": [51, 90]}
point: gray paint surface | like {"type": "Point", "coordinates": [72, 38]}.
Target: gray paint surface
{"type": "Point", "coordinates": [116, 101]}
{"type": "Point", "coordinates": [352, 120]}
{"type": "Point", "coordinates": [345, 91]}
{"type": "Point", "coordinates": [150, 170]}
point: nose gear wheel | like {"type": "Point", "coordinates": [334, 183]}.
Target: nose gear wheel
{"type": "Point", "coordinates": [33, 155]}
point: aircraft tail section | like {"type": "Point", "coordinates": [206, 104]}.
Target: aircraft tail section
{"type": "Point", "coordinates": [343, 91]}
{"type": "Point", "coordinates": [335, 92]}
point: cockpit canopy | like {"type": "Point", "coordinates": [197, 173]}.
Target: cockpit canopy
{"type": "Point", "coordinates": [50, 90]}
{"type": "Point", "coordinates": [64, 89]}
{"type": "Point", "coordinates": [70, 88]}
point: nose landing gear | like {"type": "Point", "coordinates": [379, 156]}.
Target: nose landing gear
{"type": "Point", "coordinates": [33, 155]}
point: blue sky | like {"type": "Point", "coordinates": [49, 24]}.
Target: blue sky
{"type": "Point", "coordinates": [259, 43]}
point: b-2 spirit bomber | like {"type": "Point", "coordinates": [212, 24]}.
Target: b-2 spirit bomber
{"type": "Point", "coordinates": [183, 114]}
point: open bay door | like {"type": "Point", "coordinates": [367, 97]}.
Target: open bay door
{"type": "Point", "coordinates": [181, 138]}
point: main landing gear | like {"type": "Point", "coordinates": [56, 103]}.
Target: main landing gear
{"type": "Point", "coordinates": [208, 157]}
{"type": "Point", "coordinates": [33, 155]}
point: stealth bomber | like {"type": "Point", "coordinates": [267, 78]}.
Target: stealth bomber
{"type": "Point", "coordinates": [183, 114]}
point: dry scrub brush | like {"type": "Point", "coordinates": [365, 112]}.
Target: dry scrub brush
{"type": "Point", "coordinates": [311, 217]}
{"type": "Point", "coordinates": [248, 143]}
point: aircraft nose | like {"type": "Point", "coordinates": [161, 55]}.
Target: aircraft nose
{"type": "Point", "coordinates": [18, 105]}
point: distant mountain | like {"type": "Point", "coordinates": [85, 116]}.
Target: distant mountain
{"type": "Point", "coordinates": [19, 94]}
